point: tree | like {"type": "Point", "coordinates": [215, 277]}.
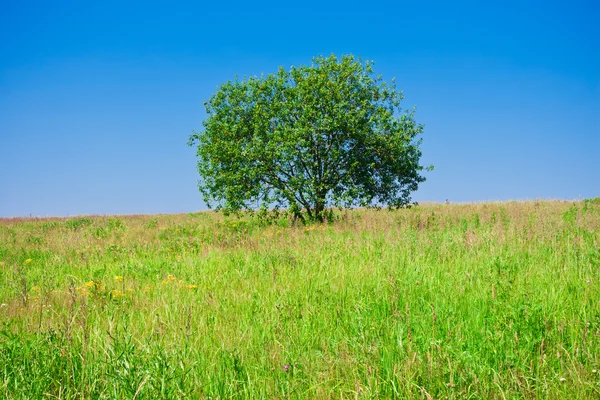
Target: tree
{"type": "Point", "coordinates": [329, 134]}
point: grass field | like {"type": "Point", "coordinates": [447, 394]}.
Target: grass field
{"type": "Point", "coordinates": [437, 301]}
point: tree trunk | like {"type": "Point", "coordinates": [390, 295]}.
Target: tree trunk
{"type": "Point", "coordinates": [319, 208]}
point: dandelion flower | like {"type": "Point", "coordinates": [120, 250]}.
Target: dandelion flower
{"type": "Point", "coordinates": [28, 261]}
{"type": "Point", "coordinates": [90, 284]}
{"type": "Point", "coordinates": [191, 286]}
{"type": "Point", "coordinates": [118, 278]}
{"type": "Point", "coordinates": [115, 294]}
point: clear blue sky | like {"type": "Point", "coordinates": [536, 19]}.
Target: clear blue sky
{"type": "Point", "coordinates": [97, 99]}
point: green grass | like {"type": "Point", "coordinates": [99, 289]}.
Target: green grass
{"type": "Point", "coordinates": [459, 301]}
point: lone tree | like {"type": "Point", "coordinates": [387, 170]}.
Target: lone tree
{"type": "Point", "coordinates": [329, 134]}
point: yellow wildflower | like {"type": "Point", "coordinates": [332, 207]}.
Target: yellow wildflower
{"type": "Point", "coordinates": [118, 278]}
{"type": "Point", "coordinates": [28, 261]}
{"type": "Point", "coordinates": [115, 294]}
{"type": "Point", "coordinates": [191, 286]}
{"type": "Point", "coordinates": [89, 284]}
{"type": "Point", "coordinates": [35, 288]}
{"type": "Point", "coordinates": [170, 278]}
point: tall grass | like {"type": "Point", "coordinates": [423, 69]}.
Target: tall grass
{"type": "Point", "coordinates": [437, 301]}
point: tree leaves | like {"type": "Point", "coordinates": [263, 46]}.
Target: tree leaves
{"type": "Point", "coordinates": [329, 134]}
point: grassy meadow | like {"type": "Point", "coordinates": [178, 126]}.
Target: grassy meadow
{"type": "Point", "coordinates": [482, 301]}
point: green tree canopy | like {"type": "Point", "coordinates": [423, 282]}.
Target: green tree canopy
{"type": "Point", "coordinates": [328, 134]}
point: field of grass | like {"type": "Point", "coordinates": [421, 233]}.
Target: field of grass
{"type": "Point", "coordinates": [437, 301]}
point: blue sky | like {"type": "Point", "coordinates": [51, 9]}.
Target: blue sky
{"type": "Point", "coordinates": [98, 99]}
